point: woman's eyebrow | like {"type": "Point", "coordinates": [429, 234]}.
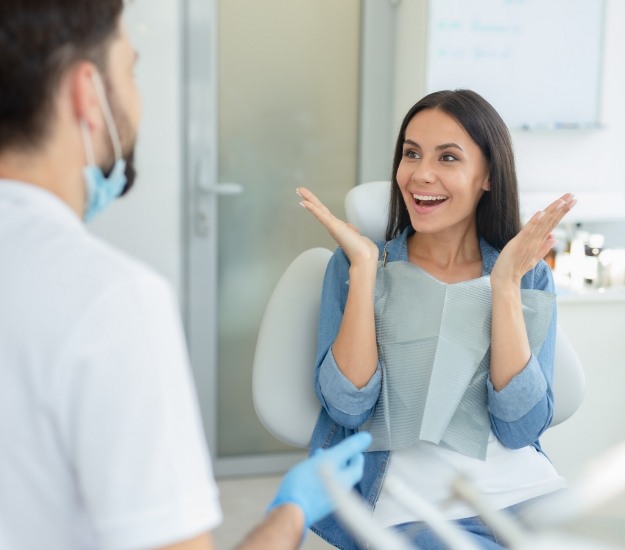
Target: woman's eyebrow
{"type": "Point", "coordinates": [438, 147]}
{"type": "Point", "coordinates": [448, 146]}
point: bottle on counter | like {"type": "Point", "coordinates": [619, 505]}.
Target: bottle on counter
{"type": "Point", "coordinates": [577, 253]}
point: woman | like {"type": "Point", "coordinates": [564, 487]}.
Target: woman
{"type": "Point", "coordinates": [422, 338]}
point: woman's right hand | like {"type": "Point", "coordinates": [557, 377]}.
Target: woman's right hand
{"type": "Point", "coordinates": [359, 249]}
{"type": "Point", "coordinates": [354, 347]}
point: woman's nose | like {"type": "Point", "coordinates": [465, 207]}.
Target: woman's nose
{"type": "Point", "coordinates": [424, 171]}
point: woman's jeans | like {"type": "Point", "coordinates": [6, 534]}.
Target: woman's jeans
{"type": "Point", "coordinates": [423, 537]}
{"type": "Point", "coordinates": [420, 534]}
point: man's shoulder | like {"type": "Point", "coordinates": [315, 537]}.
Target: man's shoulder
{"type": "Point", "coordinates": [114, 264]}
{"type": "Point", "coordinates": [88, 271]}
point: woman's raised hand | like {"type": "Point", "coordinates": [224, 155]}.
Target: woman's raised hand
{"type": "Point", "coordinates": [359, 249]}
{"type": "Point", "coordinates": [532, 243]}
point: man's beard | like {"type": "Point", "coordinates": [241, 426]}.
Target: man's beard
{"type": "Point", "coordinates": [130, 171]}
{"type": "Point", "coordinates": [122, 125]}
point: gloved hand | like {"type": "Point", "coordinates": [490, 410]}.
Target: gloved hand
{"type": "Point", "coordinates": [302, 485]}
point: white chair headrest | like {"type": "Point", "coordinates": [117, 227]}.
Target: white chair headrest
{"type": "Point", "coordinates": [366, 207]}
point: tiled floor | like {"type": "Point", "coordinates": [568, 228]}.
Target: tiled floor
{"type": "Point", "coordinates": [244, 501]}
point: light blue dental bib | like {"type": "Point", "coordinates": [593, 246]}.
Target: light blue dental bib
{"type": "Point", "coordinates": [434, 347]}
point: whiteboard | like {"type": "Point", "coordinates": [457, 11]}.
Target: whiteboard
{"type": "Point", "coordinates": [538, 62]}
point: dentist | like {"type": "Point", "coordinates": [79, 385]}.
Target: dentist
{"type": "Point", "coordinates": [101, 443]}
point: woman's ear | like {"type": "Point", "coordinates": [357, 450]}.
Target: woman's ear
{"type": "Point", "coordinates": [486, 185]}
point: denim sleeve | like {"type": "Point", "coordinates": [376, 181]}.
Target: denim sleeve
{"type": "Point", "coordinates": [523, 410]}
{"type": "Point", "coordinates": [347, 405]}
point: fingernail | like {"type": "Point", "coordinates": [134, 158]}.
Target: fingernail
{"type": "Point", "coordinates": [297, 191]}
{"type": "Point", "coordinates": [302, 204]}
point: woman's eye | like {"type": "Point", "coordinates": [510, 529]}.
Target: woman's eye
{"type": "Point", "coordinates": [411, 154]}
{"type": "Point", "coordinates": [448, 158]}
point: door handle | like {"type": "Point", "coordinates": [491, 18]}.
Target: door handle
{"type": "Point", "coordinates": [223, 189]}
{"type": "Point", "coordinates": [205, 186]}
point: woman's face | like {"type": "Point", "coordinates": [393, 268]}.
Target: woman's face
{"type": "Point", "coordinates": [442, 174]}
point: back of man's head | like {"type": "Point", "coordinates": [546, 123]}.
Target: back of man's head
{"type": "Point", "coordinates": [39, 41]}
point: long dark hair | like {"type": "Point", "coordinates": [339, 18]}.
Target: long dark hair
{"type": "Point", "coordinates": [498, 218]}
{"type": "Point", "coordinates": [39, 41]}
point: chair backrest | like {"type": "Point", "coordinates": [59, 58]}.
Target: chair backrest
{"type": "Point", "coordinates": [282, 377]}
{"type": "Point", "coordinates": [282, 382]}
{"type": "Point", "coordinates": [569, 380]}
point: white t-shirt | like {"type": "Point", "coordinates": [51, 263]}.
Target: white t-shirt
{"type": "Point", "coordinates": [101, 442]}
{"type": "Point", "coordinates": [505, 478]}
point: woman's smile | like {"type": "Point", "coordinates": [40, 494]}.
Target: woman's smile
{"type": "Point", "coordinates": [424, 204]}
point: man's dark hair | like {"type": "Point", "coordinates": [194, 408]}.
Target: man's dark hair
{"type": "Point", "coordinates": [498, 218]}
{"type": "Point", "coordinates": [39, 41]}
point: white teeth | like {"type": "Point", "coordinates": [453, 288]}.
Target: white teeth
{"type": "Point", "coordinates": [429, 197]}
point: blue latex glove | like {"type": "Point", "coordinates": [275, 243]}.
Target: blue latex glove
{"type": "Point", "coordinates": [302, 484]}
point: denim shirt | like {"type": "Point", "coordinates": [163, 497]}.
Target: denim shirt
{"type": "Point", "coordinates": [519, 413]}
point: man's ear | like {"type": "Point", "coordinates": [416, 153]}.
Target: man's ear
{"type": "Point", "coordinates": [85, 103]}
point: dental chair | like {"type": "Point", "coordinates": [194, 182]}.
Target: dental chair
{"type": "Point", "coordinates": [282, 382]}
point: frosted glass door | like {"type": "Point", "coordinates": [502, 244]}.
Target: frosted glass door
{"type": "Point", "coordinates": [288, 85]}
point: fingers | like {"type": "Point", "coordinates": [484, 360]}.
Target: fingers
{"type": "Point", "coordinates": [308, 197]}
{"type": "Point", "coordinates": [347, 459]}
{"type": "Point", "coordinates": [352, 474]}
{"type": "Point", "coordinates": [534, 240]}
{"type": "Point", "coordinates": [349, 447]}
{"type": "Point", "coordinates": [359, 249]}
{"type": "Point", "coordinates": [544, 222]}
{"type": "Point", "coordinates": [311, 203]}
{"type": "Point", "coordinates": [553, 214]}
{"type": "Point", "coordinates": [546, 247]}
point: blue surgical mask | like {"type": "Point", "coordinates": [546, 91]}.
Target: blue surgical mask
{"type": "Point", "coordinates": [102, 190]}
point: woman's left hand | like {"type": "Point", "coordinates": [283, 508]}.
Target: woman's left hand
{"type": "Point", "coordinates": [531, 244]}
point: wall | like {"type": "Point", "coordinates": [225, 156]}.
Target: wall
{"type": "Point", "coordinates": [567, 160]}
{"type": "Point", "coordinates": [583, 160]}
{"type": "Point", "coordinates": [377, 49]}
{"type": "Point", "coordinates": [147, 222]}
